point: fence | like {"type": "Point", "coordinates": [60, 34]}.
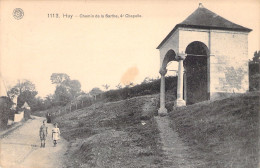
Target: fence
{"type": "Point", "coordinates": [72, 106]}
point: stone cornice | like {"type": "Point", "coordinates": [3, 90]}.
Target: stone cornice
{"type": "Point", "coordinates": [180, 56]}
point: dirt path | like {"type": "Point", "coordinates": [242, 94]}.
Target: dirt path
{"type": "Point", "coordinates": [21, 148]}
{"type": "Point", "coordinates": [173, 148]}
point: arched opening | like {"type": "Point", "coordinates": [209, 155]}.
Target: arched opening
{"type": "Point", "coordinates": [170, 78]}
{"type": "Point", "coordinates": [195, 64]}
{"type": "Point", "coordinates": [170, 56]}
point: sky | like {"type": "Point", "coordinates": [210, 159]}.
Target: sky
{"type": "Point", "coordinates": [99, 51]}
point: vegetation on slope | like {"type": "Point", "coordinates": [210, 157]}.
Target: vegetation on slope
{"type": "Point", "coordinates": [118, 134]}
{"type": "Point", "coordinates": [223, 133]}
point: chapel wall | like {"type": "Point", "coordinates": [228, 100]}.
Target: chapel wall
{"type": "Point", "coordinates": [228, 63]}
{"type": "Point", "coordinates": [171, 44]}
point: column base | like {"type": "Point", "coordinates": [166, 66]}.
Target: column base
{"type": "Point", "coordinates": [179, 103]}
{"type": "Point", "coordinates": [162, 111]}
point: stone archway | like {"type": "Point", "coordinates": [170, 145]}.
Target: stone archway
{"type": "Point", "coordinates": [196, 76]}
{"type": "Point", "coordinates": [208, 48]}
{"type": "Point", "coordinates": [169, 56]}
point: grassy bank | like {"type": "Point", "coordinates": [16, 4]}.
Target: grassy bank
{"type": "Point", "coordinates": [223, 133]}
{"type": "Point", "coordinates": [118, 134]}
{"type": "Point", "coordinates": [219, 134]}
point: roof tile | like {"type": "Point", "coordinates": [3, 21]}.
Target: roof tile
{"type": "Point", "coordinates": [205, 19]}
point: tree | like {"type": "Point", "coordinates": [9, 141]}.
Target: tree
{"type": "Point", "coordinates": [66, 89]}
{"type": "Point", "coordinates": [131, 84]}
{"type": "Point", "coordinates": [62, 95]}
{"type": "Point", "coordinates": [38, 104]}
{"type": "Point", "coordinates": [5, 105]}
{"type": "Point", "coordinates": [49, 101]}
{"type": "Point", "coordinates": [74, 88]}
{"type": "Point", "coordinates": [25, 90]}
{"type": "Point", "coordinates": [256, 57]}
{"type": "Point", "coordinates": [119, 86]}
{"type": "Point", "coordinates": [95, 91]}
{"type": "Point", "coordinates": [106, 86]}
{"type": "Point", "coordinates": [58, 78]}
{"type": "Point", "coordinates": [254, 72]}
{"type": "Point", "coordinates": [146, 80]}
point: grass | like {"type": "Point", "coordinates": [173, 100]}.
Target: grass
{"type": "Point", "coordinates": [219, 134]}
{"type": "Point", "coordinates": [223, 133]}
{"type": "Point", "coordinates": [112, 135]}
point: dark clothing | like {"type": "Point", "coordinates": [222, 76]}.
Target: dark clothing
{"type": "Point", "coordinates": [48, 117]}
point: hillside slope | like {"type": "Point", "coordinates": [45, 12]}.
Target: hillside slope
{"type": "Point", "coordinates": [223, 133]}
{"type": "Point", "coordinates": [117, 134]}
{"type": "Point", "coordinates": [217, 134]}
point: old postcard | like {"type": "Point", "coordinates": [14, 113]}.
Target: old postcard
{"type": "Point", "coordinates": [144, 83]}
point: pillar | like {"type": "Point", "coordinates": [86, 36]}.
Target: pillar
{"type": "Point", "coordinates": [180, 101]}
{"type": "Point", "coordinates": [185, 85]}
{"type": "Point", "coordinates": [162, 110]}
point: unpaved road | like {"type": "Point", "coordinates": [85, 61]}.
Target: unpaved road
{"type": "Point", "coordinates": [21, 148]}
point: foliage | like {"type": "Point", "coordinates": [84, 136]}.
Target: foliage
{"type": "Point", "coordinates": [131, 84]}
{"type": "Point", "coordinates": [5, 112]}
{"type": "Point", "coordinates": [62, 95]}
{"type": "Point", "coordinates": [119, 86]}
{"type": "Point", "coordinates": [25, 91]}
{"type": "Point", "coordinates": [95, 91]}
{"type": "Point", "coordinates": [102, 133]}
{"type": "Point", "coordinates": [254, 72]}
{"type": "Point", "coordinates": [147, 80]}
{"type": "Point", "coordinates": [150, 86]}
{"type": "Point", "coordinates": [38, 104]}
{"type": "Point", "coordinates": [58, 78]}
{"type": "Point", "coordinates": [256, 57]}
{"type": "Point", "coordinates": [74, 87]}
{"type": "Point", "coordinates": [106, 86]}
{"type": "Point", "coordinates": [66, 89]}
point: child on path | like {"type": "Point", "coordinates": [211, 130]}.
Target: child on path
{"type": "Point", "coordinates": [43, 134]}
{"type": "Point", "coordinates": [55, 134]}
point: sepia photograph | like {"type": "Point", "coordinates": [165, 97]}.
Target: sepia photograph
{"type": "Point", "coordinates": [129, 84]}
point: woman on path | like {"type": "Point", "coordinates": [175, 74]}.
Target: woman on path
{"type": "Point", "coordinates": [43, 134]}
{"type": "Point", "coordinates": [48, 117]}
{"type": "Point", "coordinates": [55, 134]}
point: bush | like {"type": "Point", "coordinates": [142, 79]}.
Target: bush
{"type": "Point", "coordinates": [146, 88]}
{"type": "Point", "coordinates": [254, 76]}
{"type": "Point", "coordinates": [5, 105]}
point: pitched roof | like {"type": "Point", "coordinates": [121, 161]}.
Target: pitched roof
{"type": "Point", "coordinates": [25, 105]}
{"type": "Point", "coordinates": [205, 19]}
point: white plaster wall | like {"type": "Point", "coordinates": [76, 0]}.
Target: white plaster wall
{"type": "Point", "coordinates": [171, 44]}
{"type": "Point", "coordinates": [229, 62]}
{"type": "Point", "coordinates": [188, 36]}
{"type": "Point", "coordinates": [18, 117]}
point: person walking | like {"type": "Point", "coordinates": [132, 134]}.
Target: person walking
{"type": "Point", "coordinates": [43, 134]}
{"type": "Point", "coordinates": [48, 117]}
{"type": "Point", "coordinates": [55, 134]}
